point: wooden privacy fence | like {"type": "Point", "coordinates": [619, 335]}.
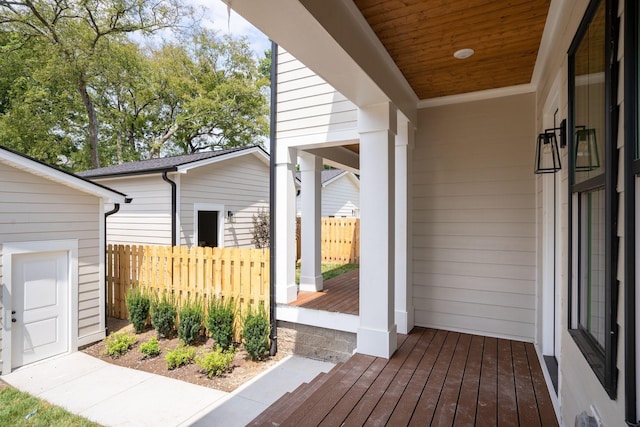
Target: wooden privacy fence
{"type": "Point", "coordinates": [341, 240]}
{"type": "Point", "coordinates": [241, 274]}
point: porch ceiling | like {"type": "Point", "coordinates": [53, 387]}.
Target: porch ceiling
{"type": "Point", "coordinates": [422, 35]}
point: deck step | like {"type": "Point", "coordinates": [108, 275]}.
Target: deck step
{"type": "Point", "coordinates": [289, 402]}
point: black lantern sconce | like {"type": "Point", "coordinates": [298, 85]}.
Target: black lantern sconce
{"type": "Point", "coordinates": [586, 154]}
{"type": "Point", "coordinates": [548, 151]}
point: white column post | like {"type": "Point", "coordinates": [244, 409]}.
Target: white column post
{"type": "Point", "coordinates": [310, 177]}
{"type": "Point", "coordinates": [403, 254]}
{"type": "Point", "coordinates": [285, 225]}
{"type": "Point", "coordinates": [377, 335]}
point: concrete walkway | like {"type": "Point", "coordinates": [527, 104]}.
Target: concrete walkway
{"type": "Point", "coordinates": [115, 396]}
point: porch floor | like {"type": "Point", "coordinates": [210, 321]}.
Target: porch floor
{"type": "Point", "coordinates": [339, 294]}
{"type": "Point", "coordinates": [435, 378]}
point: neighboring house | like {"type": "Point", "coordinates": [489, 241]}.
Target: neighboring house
{"type": "Point", "coordinates": [457, 232]}
{"type": "Point", "coordinates": [340, 194]}
{"type": "Point", "coordinates": [201, 199]}
{"type": "Point", "coordinates": [51, 260]}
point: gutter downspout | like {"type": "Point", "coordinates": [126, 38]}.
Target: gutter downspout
{"type": "Point", "coordinates": [273, 338]}
{"type": "Point", "coordinates": [173, 206]}
{"type": "Point", "coordinates": [116, 208]}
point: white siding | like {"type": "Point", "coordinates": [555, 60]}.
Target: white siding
{"type": "Point", "coordinates": [341, 198]}
{"type": "Point", "coordinates": [474, 218]}
{"type": "Point", "coordinates": [308, 106]}
{"type": "Point", "coordinates": [240, 184]}
{"type": "Point", "coordinates": [36, 209]}
{"type": "Point", "coordinates": [147, 219]}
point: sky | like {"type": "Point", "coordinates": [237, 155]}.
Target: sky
{"type": "Point", "coordinates": [216, 17]}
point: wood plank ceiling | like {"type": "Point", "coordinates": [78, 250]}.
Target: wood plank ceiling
{"type": "Point", "coordinates": [422, 35]}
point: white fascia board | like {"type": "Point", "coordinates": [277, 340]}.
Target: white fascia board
{"type": "Point", "coordinates": [256, 151]}
{"type": "Point", "coordinates": [70, 180]}
{"type": "Point", "coordinates": [477, 96]}
{"type": "Point", "coordinates": [335, 178]}
{"type": "Point", "coordinates": [332, 38]}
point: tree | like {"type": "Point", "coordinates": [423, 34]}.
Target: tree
{"type": "Point", "coordinates": [80, 33]}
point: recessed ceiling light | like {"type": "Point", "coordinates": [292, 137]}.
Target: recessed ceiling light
{"type": "Point", "coordinates": [463, 53]}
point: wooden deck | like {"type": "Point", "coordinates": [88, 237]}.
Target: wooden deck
{"type": "Point", "coordinates": [339, 295]}
{"type": "Point", "coordinates": [435, 378]}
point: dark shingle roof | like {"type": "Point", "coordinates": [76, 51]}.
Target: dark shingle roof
{"type": "Point", "coordinates": [158, 165]}
{"type": "Point", "coordinates": [326, 175]}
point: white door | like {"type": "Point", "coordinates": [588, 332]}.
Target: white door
{"type": "Point", "coordinates": [40, 287]}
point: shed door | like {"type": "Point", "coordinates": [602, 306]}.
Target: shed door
{"type": "Point", "coordinates": [40, 286]}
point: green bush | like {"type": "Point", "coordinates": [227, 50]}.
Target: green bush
{"type": "Point", "coordinates": [119, 343]}
{"type": "Point", "coordinates": [221, 314]}
{"type": "Point", "coordinates": [163, 315]}
{"type": "Point", "coordinates": [191, 314]}
{"type": "Point", "coordinates": [182, 355]}
{"type": "Point", "coordinates": [150, 348]}
{"type": "Point", "coordinates": [138, 304]}
{"type": "Point", "coordinates": [216, 362]}
{"type": "Point", "coordinates": [255, 333]}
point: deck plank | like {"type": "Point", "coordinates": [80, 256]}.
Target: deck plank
{"type": "Point", "coordinates": [424, 411]}
{"type": "Point", "coordinates": [409, 399]}
{"type": "Point", "coordinates": [488, 393]}
{"type": "Point", "coordinates": [466, 410]}
{"type": "Point", "coordinates": [545, 406]}
{"type": "Point", "coordinates": [447, 404]}
{"type": "Point", "coordinates": [340, 294]}
{"type": "Point", "coordinates": [526, 397]}
{"type": "Point", "coordinates": [507, 404]}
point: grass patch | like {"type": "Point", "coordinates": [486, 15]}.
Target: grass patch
{"type": "Point", "coordinates": [329, 271]}
{"type": "Point", "coordinates": [16, 405]}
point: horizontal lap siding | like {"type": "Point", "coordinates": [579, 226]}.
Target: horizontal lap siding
{"type": "Point", "coordinates": [340, 198]}
{"type": "Point", "coordinates": [474, 218]}
{"type": "Point", "coordinates": [241, 184]}
{"type": "Point", "coordinates": [147, 219]}
{"type": "Point", "coordinates": [308, 105]}
{"type": "Point", "coordinates": [36, 209]}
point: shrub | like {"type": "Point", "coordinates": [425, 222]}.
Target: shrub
{"type": "Point", "coordinates": [220, 320]}
{"type": "Point", "coordinates": [191, 314]}
{"type": "Point", "coordinates": [119, 343]}
{"type": "Point", "coordinates": [150, 348]}
{"type": "Point", "coordinates": [163, 315]}
{"type": "Point", "coordinates": [216, 362]}
{"type": "Point", "coordinates": [261, 229]}
{"type": "Point", "coordinates": [138, 304]}
{"type": "Point", "coordinates": [255, 333]}
{"type": "Point", "coordinates": [182, 355]}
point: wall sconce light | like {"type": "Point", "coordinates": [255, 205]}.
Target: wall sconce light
{"type": "Point", "coordinates": [230, 216]}
{"type": "Point", "coordinates": [547, 150]}
{"type": "Point", "coordinates": [586, 155]}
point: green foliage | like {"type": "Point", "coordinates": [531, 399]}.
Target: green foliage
{"type": "Point", "coordinates": [150, 348]}
{"type": "Point", "coordinates": [221, 315]}
{"type": "Point", "coordinates": [255, 333]}
{"type": "Point", "coordinates": [216, 362]}
{"type": "Point", "coordinates": [15, 405]}
{"type": "Point", "coordinates": [119, 343]}
{"type": "Point", "coordinates": [191, 316]}
{"type": "Point", "coordinates": [138, 304]}
{"type": "Point", "coordinates": [163, 315]}
{"type": "Point", "coordinates": [182, 355]}
{"type": "Point", "coordinates": [261, 229]}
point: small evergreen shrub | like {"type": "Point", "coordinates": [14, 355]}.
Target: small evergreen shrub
{"type": "Point", "coordinates": [221, 314]}
{"type": "Point", "coordinates": [163, 315]}
{"type": "Point", "coordinates": [191, 314]}
{"type": "Point", "coordinates": [150, 348]}
{"type": "Point", "coordinates": [182, 355]}
{"type": "Point", "coordinates": [261, 229]}
{"type": "Point", "coordinates": [255, 333]}
{"type": "Point", "coordinates": [119, 343]}
{"type": "Point", "coordinates": [138, 304]}
{"type": "Point", "coordinates": [216, 362]}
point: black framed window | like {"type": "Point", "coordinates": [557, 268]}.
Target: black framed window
{"type": "Point", "coordinates": [593, 200]}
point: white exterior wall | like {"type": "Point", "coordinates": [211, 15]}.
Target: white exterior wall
{"type": "Point", "coordinates": [341, 198]}
{"type": "Point", "coordinates": [309, 109]}
{"type": "Point", "coordinates": [147, 219]}
{"type": "Point", "coordinates": [474, 229]}
{"type": "Point", "coordinates": [36, 209]}
{"type": "Point", "coordinates": [240, 184]}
